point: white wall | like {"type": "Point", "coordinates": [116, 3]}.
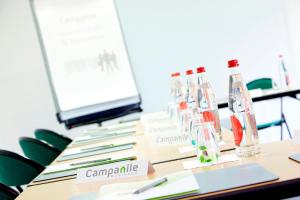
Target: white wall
{"type": "Point", "coordinates": [175, 35]}
{"type": "Point", "coordinates": [162, 37]}
{"type": "Point", "coordinates": [25, 102]}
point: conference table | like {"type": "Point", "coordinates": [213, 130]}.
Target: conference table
{"type": "Point", "coordinates": [262, 95]}
{"type": "Point", "coordinates": [167, 159]}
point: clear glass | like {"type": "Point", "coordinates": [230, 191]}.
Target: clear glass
{"type": "Point", "coordinates": [207, 103]}
{"type": "Point", "coordinates": [197, 120]}
{"type": "Point", "coordinates": [208, 150]}
{"type": "Point", "coordinates": [242, 116]}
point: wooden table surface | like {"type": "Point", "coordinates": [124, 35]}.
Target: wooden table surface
{"type": "Point", "coordinates": [273, 156]}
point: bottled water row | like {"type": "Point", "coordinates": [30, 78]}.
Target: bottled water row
{"type": "Point", "coordinates": [195, 110]}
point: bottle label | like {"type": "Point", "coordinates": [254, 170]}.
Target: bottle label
{"type": "Point", "coordinates": [209, 116]}
{"type": "Point", "coordinates": [183, 105]}
{"type": "Point", "coordinates": [237, 130]}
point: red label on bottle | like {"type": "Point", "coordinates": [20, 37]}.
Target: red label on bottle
{"type": "Point", "coordinates": [208, 116]}
{"type": "Point", "coordinates": [237, 130]}
{"type": "Point", "coordinates": [183, 105]}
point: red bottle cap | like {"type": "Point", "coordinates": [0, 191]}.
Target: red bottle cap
{"type": "Point", "coordinates": [189, 72]}
{"type": "Point", "coordinates": [200, 70]}
{"type": "Point", "coordinates": [175, 74]}
{"type": "Point", "coordinates": [233, 63]}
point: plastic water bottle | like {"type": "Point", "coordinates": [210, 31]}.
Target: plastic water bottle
{"type": "Point", "coordinates": [207, 102]}
{"type": "Point", "coordinates": [191, 91]}
{"type": "Point", "coordinates": [176, 86]}
{"type": "Point", "coordinates": [283, 73]}
{"type": "Point", "coordinates": [178, 95]}
{"type": "Point", "coordinates": [242, 114]}
{"type": "Point", "coordinates": [185, 117]}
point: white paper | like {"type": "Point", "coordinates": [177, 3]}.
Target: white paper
{"type": "Point", "coordinates": [222, 143]}
{"type": "Point", "coordinates": [85, 51]}
{"type": "Point", "coordinates": [109, 128]}
{"type": "Point", "coordinates": [75, 150]}
{"type": "Point", "coordinates": [177, 183]}
{"type": "Point", "coordinates": [66, 166]}
{"type": "Point", "coordinates": [104, 134]}
{"type": "Point", "coordinates": [186, 149]}
{"type": "Point", "coordinates": [191, 164]}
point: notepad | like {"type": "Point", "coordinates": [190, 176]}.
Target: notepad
{"type": "Point", "coordinates": [233, 177]}
{"type": "Point", "coordinates": [66, 171]}
{"type": "Point", "coordinates": [98, 146]}
{"type": "Point", "coordinates": [68, 166]}
{"type": "Point", "coordinates": [113, 127]}
{"type": "Point", "coordinates": [178, 184]}
{"type": "Point", "coordinates": [295, 157]}
{"type": "Point", "coordinates": [94, 152]}
{"type": "Point", "coordinates": [105, 134]}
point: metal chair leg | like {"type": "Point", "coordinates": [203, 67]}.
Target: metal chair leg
{"type": "Point", "coordinates": [19, 189]}
{"type": "Point", "coordinates": [282, 118]}
{"type": "Point", "coordinates": [287, 126]}
{"type": "Point", "coordinates": [281, 130]}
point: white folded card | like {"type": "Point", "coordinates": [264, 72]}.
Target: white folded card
{"type": "Point", "coordinates": [169, 139]}
{"type": "Point", "coordinates": [117, 170]}
{"type": "Point", "coordinates": [191, 164]}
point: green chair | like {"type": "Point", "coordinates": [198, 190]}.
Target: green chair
{"type": "Point", "coordinates": [6, 193]}
{"type": "Point", "coordinates": [38, 151]}
{"type": "Point", "coordinates": [268, 83]}
{"type": "Point", "coordinates": [15, 170]}
{"type": "Point", "coordinates": [58, 141]}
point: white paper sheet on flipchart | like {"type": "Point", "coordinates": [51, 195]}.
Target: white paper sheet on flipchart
{"type": "Point", "coordinates": [178, 183]}
{"type": "Point", "coordinates": [191, 164]}
{"type": "Point", "coordinates": [75, 150]}
{"type": "Point", "coordinates": [66, 166]}
{"type": "Point", "coordinates": [111, 128]}
{"type": "Point", "coordinates": [104, 134]}
{"type": "Point", "coordinates": [190, 148]}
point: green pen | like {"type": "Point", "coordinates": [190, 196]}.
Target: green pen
{"type": "Point", "coordinates": [107, 146]}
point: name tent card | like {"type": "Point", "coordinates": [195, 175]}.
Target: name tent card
{"type": "Point", "coordinates": [118, 170]}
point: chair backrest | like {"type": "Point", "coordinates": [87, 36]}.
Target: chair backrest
{"type": "Point", "coordinates": [38, 151]}
{"type": "Point", "coordinates": [262, 83]}
{"type": "Point", "coordinates": [15, 170]}
{"type": "Point", "coordinates": [7, 193]}
{"type": "Point", "coordinates": [58, 141]}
